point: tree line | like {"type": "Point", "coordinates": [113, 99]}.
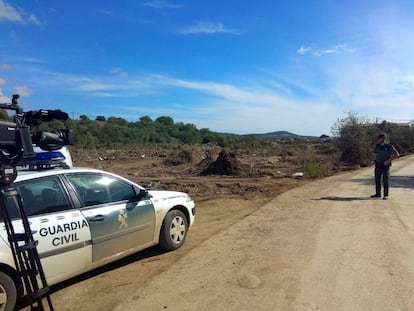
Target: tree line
{"type": "Point", "coordinates": [117, 132]}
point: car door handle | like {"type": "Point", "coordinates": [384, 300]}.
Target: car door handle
{"type": "Point", "coordinates": [97, 218]}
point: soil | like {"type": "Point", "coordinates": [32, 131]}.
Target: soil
{"type": "Point", "coordinates": [208, 175]}
{"type": "Point", "coordinates": [221, 201]}
{"type": "Point", "coordinates": [225, 164]}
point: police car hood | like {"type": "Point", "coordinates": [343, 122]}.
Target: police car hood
{"type": "Point", "coordinates": [166, 195]}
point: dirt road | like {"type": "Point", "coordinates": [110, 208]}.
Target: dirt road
{"type": "Point", "coordinates": [322, 246]}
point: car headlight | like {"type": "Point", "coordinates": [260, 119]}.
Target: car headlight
{"type": "Point", "coordinates": [189, 199]}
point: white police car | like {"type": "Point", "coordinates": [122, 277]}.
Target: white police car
{"type": "Point", "coordinates": [85, 218]}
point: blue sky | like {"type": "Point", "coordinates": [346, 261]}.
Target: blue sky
{"type": "Point", "coordinates": [234, 66]}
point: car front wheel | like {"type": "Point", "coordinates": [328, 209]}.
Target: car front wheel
{"type": "Point", "coordinates": [173, 230]}
{"type": "Point", "coordinates": [8, 293]}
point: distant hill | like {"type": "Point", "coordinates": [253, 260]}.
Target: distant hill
{"type": "Point", "coordinates": [284, 136]}
{"type": "Point", "coordinates": [276, 136]}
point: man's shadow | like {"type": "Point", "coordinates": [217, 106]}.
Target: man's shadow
{"type": "Point", "coordinates": [344, 199]}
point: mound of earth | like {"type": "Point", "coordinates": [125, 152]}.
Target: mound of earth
{"type": "Point", "coordinates": [183, 157]}
{"type": "Point", "coordinates": [206, 161]}
{"type": "Point", "coordinates": [226, 164]}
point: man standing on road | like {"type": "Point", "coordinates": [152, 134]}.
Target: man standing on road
{"type": "Point", "coordinates": [384, 154]}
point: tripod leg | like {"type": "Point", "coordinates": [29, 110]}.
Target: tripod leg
{"type": "Point", "coordinates": [25, 254]}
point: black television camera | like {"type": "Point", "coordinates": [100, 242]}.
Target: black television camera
{"type": "Point", "coordinates": [16, 139]}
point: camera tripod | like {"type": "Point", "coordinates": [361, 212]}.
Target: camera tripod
{"type": "Point", "coordinates": [24, 250]}
{"type": "Point", "coordinates": [16, 144]}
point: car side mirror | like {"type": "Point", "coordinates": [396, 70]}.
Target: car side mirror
{"type": "Point", "coordinates": [142, 194]}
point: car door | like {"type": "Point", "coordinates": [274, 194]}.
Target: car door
{"type": "Point", "coordinates": [117, 221]}
{"type": "Point", "coordinates": [62, 231]}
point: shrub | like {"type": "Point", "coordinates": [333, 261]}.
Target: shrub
{"type": "Point", "coordinates": [317, 170]}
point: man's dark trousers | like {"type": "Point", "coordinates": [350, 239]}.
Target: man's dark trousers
{"type": "Point", "coordinates": [383, 172]}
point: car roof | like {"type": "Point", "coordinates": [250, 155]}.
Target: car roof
{"type": "Point", "coordinates": [27, 174]}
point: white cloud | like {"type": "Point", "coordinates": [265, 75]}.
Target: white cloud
{"type": "Point", "coordinates": [119, 72]}
{"type": "Point", "coordinates": [3, 98]}
{"type": "Point", "coordinates": [22, 90]}
{"type": "Point", "coordinates": [94, 86]}
{"type": "Point", "coordinates": [226, 91]}
{"type": "Point", "coordinates": [9, 13]}
{"type": "Point", "coordinates": [206, 27]}
{"type": "Point", "coordinates": [339, 48]}
{"type": "Point", "coordinates": [3, 81]}
{"type": "Point", "coordinates": [303, 50]}
{"type": "Point", "coordinates": [91, 86]}
{"type": "Point", "coordinates": [33, 19]}
{"type": "Point", "coordinates": [15, 14]}
{"type": "Point", "coordinates": [159, 4]}
{"type": "Point", "coordinates": [336, 49]}
{"type": "Point", "coordinates": [5, 67]}
{"type": "Point", "coordinates": [287, 83]}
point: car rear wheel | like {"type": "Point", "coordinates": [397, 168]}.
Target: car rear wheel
{"type": "Point", "coordinates": [173, 231]}
{"type": "Point", "coordinates": [8, 293]}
